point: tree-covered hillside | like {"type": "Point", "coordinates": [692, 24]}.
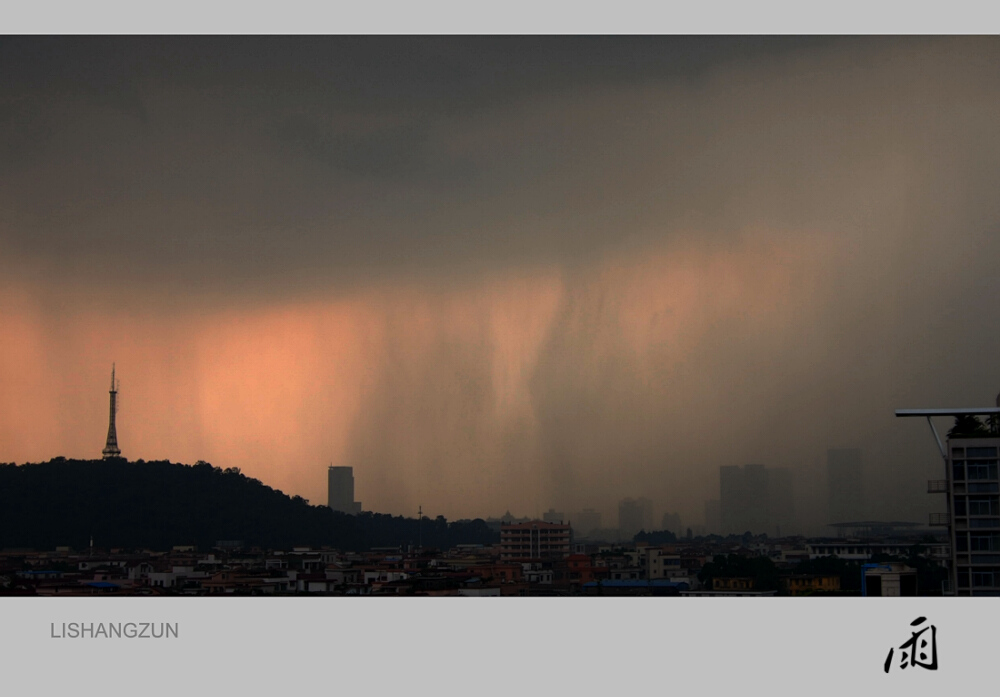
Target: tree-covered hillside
{"type": "Point", "coordinates": [156, 505]}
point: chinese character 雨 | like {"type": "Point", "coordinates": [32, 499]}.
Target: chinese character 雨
{"type": "Point", "coordinates": [915, 651]}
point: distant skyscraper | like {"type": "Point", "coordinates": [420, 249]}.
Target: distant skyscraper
{"type": "Point", "coordinates": [553, 516]}
{"type": "Point", "coordinates": [758, 498]}
{"type": "Point", "coordinates": [743, 499]}
{"type": "Point", "coordinates": [634, 515]}
{"type": "Point", "coordinates": [340, 490]}
{"type": "Point", "coordinates": [731, 498]}
{"type": "Point", "coordinates": [843, 468]}
{"type": "Point", "coordinates": [111, 447]}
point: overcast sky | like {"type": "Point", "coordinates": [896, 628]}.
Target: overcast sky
{"type": "Point", "coordinates": [501, 273]}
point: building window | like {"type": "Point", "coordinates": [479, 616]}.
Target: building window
{"type": "Point", "coordinates": [962, 542]}
{"type": "Point", "coordinates": [982, 578]}
{"type": "Point", "coordinates": [982, 452]}
{"type": "Point", "coordinates": [958, 471]}
{"type": "Point", "coordinates": [983, 470]}
{"type": "Point", "coordinates": [985, 542]}
{"type": "Point", "coordinates": [960, 505]}
{"type": "Point", "coordinates": [984, 522]}
{"type": "Point", "coordinates": [984, 505]}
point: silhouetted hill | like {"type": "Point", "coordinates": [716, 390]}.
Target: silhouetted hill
{"type": "Point", "coordinates": [156, 505]}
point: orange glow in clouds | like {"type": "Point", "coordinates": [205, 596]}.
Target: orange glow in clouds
{"type": "Point", "coordinates": [432, 396]}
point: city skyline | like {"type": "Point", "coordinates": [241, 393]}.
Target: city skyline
{"type": "Point", "coordinates": [423, 307]}
{"type": "Point", "coordinates": [762, 504]}
{"type": "Point", "coordinates": [494, 274]}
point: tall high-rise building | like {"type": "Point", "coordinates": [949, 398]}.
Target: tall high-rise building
{"type": "Point", "coordinates": [340, 490]}
{"type": "Point", "coordinates": [971, 487]}
{"type": "Point", "coordinates": [111, 446]}
{"type": "Point", "coordinates": [975, 514]}
{"type": "Point", "coordinates": [634, 515]}
{"type": "Point", "coordinates": [744, 499]}
{"type": "Point", "coordinates": [731, 499]}
{"type": "Point", "coordinates": [843, 469]}
{"type": "Point", "coordinates": [758, 498]}
{"type": "Point", "coordinates": [553, 516]}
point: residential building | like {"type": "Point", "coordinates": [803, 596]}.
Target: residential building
{"type": "Point", "coordinates": [581, 570]}
{"type": "Point", "coordinates": [974, 489]}
{"type": "Point", "coordinates": [855, 549]}
{"type": "Point", "coordinates": [536, 539]}
{"type": "Point", "coordinates": [732, 584]}
{"type": "Point", "coordinates": [972, 497]}
{"type": "Point", "coordinates": [661, 564]}
{"type": "Point", "coordinates": [890, 580]}
{"type": "Point", "coordinates": [635, 587]}
{"type": "Point", "coordinates": [807, 584]}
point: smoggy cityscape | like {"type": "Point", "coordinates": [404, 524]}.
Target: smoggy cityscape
{"type": "Point", "coordinates": [499, 315]}
{"type": "Point", "coordinates": [547, 554]}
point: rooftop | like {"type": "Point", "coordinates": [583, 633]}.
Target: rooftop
{"type": "Point", "coordinates": [964, 411]}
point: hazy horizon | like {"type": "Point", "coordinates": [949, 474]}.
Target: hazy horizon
{"type": "Point", "coordinates": [501, 273]}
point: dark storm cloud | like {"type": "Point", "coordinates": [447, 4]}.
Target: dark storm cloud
{"type": "Point", "coordinates": [235, 159]}
{"type": "Point", "coordinates": [557, 271]}
{"type": "Point", "coordinates": [430, 73]}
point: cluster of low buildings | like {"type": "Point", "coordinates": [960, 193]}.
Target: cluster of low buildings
{"type": "Point", "coordinates": [532, 558]}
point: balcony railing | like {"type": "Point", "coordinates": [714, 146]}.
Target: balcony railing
{"type": "Point", "coordinates": [938, 519]}
{"type": "Point", "coordinates": [946, 588]}
{"type": "Point", "coordinates": [937, 486]}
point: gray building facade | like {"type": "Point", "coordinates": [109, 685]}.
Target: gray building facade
{"type": "Point", "coordinates": [340, 490]}
{"type": "Point", "coordinates": [973, 487]}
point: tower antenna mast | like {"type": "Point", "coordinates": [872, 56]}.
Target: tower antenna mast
{"type": "Point", "coordinates": [111, 447]}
